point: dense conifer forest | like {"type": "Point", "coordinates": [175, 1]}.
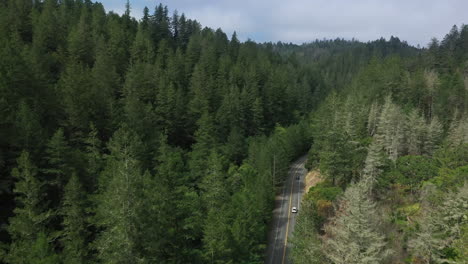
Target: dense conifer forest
{"type": "Point", "coordinates": [391, 146]}
{"type": "Point", "coordinates": [148, 141]}
{"type": "Point", "coordinates": [161, 141]}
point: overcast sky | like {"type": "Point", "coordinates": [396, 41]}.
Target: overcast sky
{"type": "Point", "coordinates": [298, 21]}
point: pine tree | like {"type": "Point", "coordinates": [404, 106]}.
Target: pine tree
{"type": "Point", "coordinates": [354, 116]}
{"type": "Point", "coordinates": [145, 20]}
{"type": "Point", "coordinates": [352, 236]}
{"type": "Point", "coordinates": [80, 44]}
{"type": "Point", "coordinates": [171, 181]}
{"type": "Point", "coordinates": [184, 31]}
{"type": "Point", "coordinates": [75, 88]}
{"type": "Point", "coordinates": [94, 159]}
{"type": "Point", "coordinates": [30, 134]}
{"type": "Point", "coordinates": [206, 140]}
{"type": "Point", "coordinates": [212, 184]}
{"type": "Point", "coordinates": [433, 136]}
{"type": "Point", "coordinates": [303, 96]}
{"type": "Point", "coordinates": [175, 70]}
{"type": "Point", "coordinates": [460, 245]}
{"type": "Point", "coordinates": [170, 109]}
{"type": "Point", "coordinates": [458, 132]}
{"type": "Point", "coordinates": [18, 17]}
{"type": "Point", "coordinates": [440, 226]}
{"type": "Point", "coordinates": [257, 118]}
{"type": "Point", "coordinates": [119, 203]}
{"type": "Point", "coordinates": [390, 131]}
{"type": "Point", "coordinates": [46, 37]}
{"type": "Point", "coordinates": [97, 24]}
{"type": "Point", "coordinates": [74, 233]}
{"type": "Point", "coordinates": [139, 108]}
{"type": "Point", "coordinates": [335, 157]}
{"type": "Point", "coordinates": [216, 238]}
{"type": "Point", "coordinates": [127, 9]}
{"type": "Point", "coordinates": [249, 207]}
{"type": "Point", "coordinates": [229, 113]}
{"type": "Point", "coordinates": [235, 147]}
{"type": "Point", "coordinates": [153, 219]}
{"type": "Point", "coordinates": [41, 252]}
{"type": "Point", "coordinates": [160, 24]}
{"type": "Point", "coordinates": [373, 162]}
{"type": "Point", "coordinates": [234, 46]}
{"type": "Point", "coordinates": [106, 86]}
{"type": "Point", "coordinates": [29, 222]}
{"type": "Point", "coordinates": [175, 27]}
{"type": "Point", "coordinates": [415, 133]}
{"type": "Point", "coordinates": [200, 93]}
{"type": "Point", "coordinates": [118, 44]}
{"type": "Point", "coordinates": [214, 196]}
{"type": "Point", "coordinates": [142, 48]}
{"type": "Point", "coordinates": [432, 83]}
{"type": "Point", "coordinates": [58, 159]}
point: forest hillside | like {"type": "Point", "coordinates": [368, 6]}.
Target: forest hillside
{"type": "Point", "coordinates": [392, 149]}
{"type": "Point", "coordinates": [159, 140]}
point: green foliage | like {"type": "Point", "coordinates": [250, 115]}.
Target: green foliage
{"type": "Point", "coordinates": [94, 159]}
{"type": "Point", "coordinates": [324, 191]}
{"type": "Point", "coordinates": [271, 155]}
{"type": "Point", "coordinates": [307, 247]}
{"type": "Point", "coordinates": [75, 87]}
{"type": "Point", "coordinates": [353, 235]}
{"type": "Point", "coordinates": [29, 128]}
{"type": "Point", "coordinates": [29, 222]}
{"type": "Point", "coordinates": [453, 169]}
{"type": "Point", "coordinates": [338, 142]}
{"type": "Point", "coordinates": [74, 234]}
{"type": "Point", "coordinates": [182, 205]}
{"type": "Point", "coordinates": [80, 45]}
{"type": "Point", "coordinates": [410, 171]}
{"type": "Point", "coordinates": [459, 245]}
{"type": "Point", "coordinates": [58, 157]}
{"type": "Point", "coordinates": [249, 213]}
{"type": "Point", "coordinates": [336, 157]}
{"type": "Point", "coordinates": [320, 200]}
{"type": "Point", "coordinates": [451, 178]}
{"type": "Point", "coordinates": [40, 252]}
{"type": "Point", "coordinates": [119, 204]}
{"type": "Point", "coordinates": [442, 227]}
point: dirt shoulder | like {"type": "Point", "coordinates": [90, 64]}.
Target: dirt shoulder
{"type": "Point", "coordinates": [312, 178]}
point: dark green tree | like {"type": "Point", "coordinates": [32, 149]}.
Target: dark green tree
{"type": "Point", "coordinates": [119, 202]}
{"type": "Point", "coordinates": [75, 87]}
{"type": "Point", "coordinates": [58, 155]}
{"type": "Point", "coordinates": [80, 44]}
{"type": "Point", "coordinates": [74, 234]}
{"type": "Point", "coordinates": [206, 140]}
{"type": "Point", "coordinates": [28, 226]}
{"type": "Point", "coordinates": [94, 159]}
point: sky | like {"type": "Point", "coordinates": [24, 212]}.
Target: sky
{"type": "Point", "coordinates": [299, 21]}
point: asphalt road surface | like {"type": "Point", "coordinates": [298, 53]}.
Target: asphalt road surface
{"type": "Point", "coordinates": [283, 219]}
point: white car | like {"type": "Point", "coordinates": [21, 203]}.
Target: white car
{"type": "Point", "coordinates": [294, 210]}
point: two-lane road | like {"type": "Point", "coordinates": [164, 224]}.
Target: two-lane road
{"type": "Point", "coordinates": [283, 219]}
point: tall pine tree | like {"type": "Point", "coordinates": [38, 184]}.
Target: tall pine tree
{"type": "Point", "coordinates": [28, 227]}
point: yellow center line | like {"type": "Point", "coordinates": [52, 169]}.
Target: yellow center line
{"type": "Point", "coordinates": [289, 217]}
